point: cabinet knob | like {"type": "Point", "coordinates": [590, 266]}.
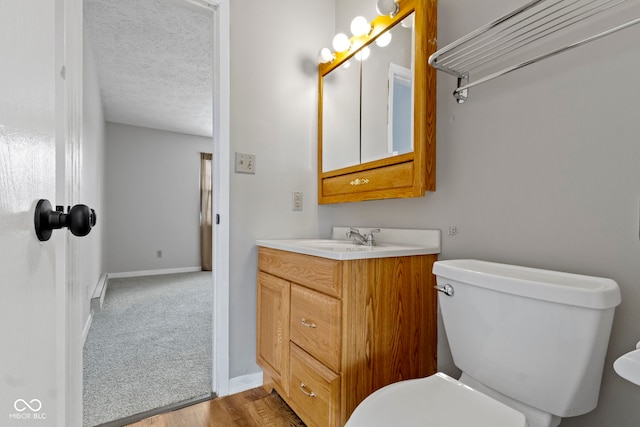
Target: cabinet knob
{"type": "Point", "coordinates": [80, 219]}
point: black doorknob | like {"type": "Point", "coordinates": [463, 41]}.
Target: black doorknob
{"type": "Point", "coordinates": [79, 219]}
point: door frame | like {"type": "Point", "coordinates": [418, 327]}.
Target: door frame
{"type": "Point", "coordinates": [220, 173]}
{"type": "Point", "coordinates": [69, 286]}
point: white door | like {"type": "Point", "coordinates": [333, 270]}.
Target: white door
{"type": "Point", "coordinates": [40, 379]}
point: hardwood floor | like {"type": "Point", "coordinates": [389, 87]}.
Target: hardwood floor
{"type": "Point", "coordinates": [252, 408]}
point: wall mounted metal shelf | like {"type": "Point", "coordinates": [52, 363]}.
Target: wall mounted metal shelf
{"type": "Point", "coordinates": [537, 30]}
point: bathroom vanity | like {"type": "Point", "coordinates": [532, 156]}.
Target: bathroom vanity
{"type": "Point", "coordinates": [337, 321]}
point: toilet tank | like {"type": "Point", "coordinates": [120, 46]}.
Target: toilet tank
{"type": "Point", "coordinates": [536, 336]}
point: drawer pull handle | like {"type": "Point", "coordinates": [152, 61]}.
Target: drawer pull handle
{"type": "Point", "coordinates": [307, 324]}
{"type": "Point", "coordinates": [303, 389]}
{"type": "Point", "coordinates": [359, 181]}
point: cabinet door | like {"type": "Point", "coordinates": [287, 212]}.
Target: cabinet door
{"type": "Point", "coordinates": [272, 346]}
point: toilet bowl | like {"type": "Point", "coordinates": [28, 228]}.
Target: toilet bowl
{"type": "Point", "coordinates": [530, 343]}
{"type": "Point", "coordinates": [449, 403]}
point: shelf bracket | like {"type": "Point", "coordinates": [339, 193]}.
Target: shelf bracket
{"type": "Point", "coordinates": [462, 93]}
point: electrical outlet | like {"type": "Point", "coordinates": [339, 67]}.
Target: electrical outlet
{"type": "Point", "coordinates": [159, 254]}
{"type": "Point", "coordinates": [245, 163]}
{"type": "Point", "coordinates": [453, 231]}
{"type": "Point", "coordinates": [297, 200]}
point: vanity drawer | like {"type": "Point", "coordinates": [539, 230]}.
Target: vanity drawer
{"type": "Point", "coordinates": [321, 274]}
{"type": "Point", "coordinates": [314, 390]}
{"type": "Point", "coordinates": [316, 324]}
{"type": "Point", "coordinates": [394, 176]}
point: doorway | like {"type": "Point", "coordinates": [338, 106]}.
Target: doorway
{"type": "Point", "coordinates": [218, 11]}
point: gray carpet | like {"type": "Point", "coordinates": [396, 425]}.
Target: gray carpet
{"type": "Point", "coordinates": [149, 346]}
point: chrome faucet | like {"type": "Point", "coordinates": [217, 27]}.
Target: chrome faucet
{"type": "Point", "coordinates": [359, 239]}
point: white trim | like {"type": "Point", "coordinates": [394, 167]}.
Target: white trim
{"type": "Point", "coordinates": [153, 272]}
{"type": "Point", "coordinates": [403, 74]}
{"type": "Point", "coordinates": [97, 297]}
{"type": "Point", "coordinates": [201, 3]}
{"type": "Point", "coordinates": [87, 326]}
{"type": "Point", "coordinates": [220, 176]}
{"type": "Point", "coordinates": [245, 382]}
{"type": "Point", "coordinates": [98, 290]}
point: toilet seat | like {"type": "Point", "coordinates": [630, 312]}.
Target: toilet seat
{"type": "Point", "coordinates": [434, 401]}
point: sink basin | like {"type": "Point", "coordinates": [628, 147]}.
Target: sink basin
{"type": "Point", "coordinates": [349, 246]}
{"type": "Point", "coordinates": [335, 245]}
{"type": "Point", "coordinates": [429, 243]}
{"type": "Point", "coordinates": [329, 243]}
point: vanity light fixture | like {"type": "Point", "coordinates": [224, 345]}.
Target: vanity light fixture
{"type": "Point", "coordinates": [384, 39]}
{"type": "Point", "coordinates": [363, 54]}
{"type": "Point", "coordinates": [360, 26]}
{"type": "Point", "coordinates": [387, 7]}
{"type": "Point", "coordinates": [341, 42]}
{"type": "Point", "coordinates": [326, 55]}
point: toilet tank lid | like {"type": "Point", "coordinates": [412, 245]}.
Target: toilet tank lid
{"type": "Point", "coordinates": [547, 285]}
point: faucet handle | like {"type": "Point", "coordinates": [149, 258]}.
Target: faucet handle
{"type": "Point", "coordinates": [370, 240]}
{"type": "Point", "coordinates": [352, 230]}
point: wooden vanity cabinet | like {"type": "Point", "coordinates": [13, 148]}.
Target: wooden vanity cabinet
{"type": "Point", "coordinates": [330, 332]}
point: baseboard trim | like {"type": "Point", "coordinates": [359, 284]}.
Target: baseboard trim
{"type": "Point", "coordinates": [97, 291]}
{"type": "Point", "coordinates": [97, 298]}
{"type": "Point", "coordinates": [126, 274]}
{"type": "Point", "coordinates": [245, 382]}
{"type": "Point", "coordinates": [87, 326]}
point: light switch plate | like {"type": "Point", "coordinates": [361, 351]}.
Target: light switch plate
{"type": "Point", "coordinates": [245, 163]}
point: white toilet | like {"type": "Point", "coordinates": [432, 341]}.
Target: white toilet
{"type": "Point", "coordinates": [530, 343]}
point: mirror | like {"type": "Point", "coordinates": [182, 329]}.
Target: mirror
{"type": "Point", "coordinates": [341, 117]}
{"type": "Point", "coordinates": [368, 104]}
{"type": "Point", "coordinates": [376, 116]}
{"type": "Point", "coordinates": [386, 97]}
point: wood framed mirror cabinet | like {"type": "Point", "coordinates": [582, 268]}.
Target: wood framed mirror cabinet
{"type": "Point", "coordinates": [377, 111]}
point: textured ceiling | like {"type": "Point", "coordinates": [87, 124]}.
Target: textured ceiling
{"type": "Point", "coordinates": [154, 62]}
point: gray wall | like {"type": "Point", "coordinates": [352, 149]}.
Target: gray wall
{"type": "Point", "coordinates": [152, 196]}
{"type": "Point", "coordinates": [92, 183]}
{"type": "Point", "coordinates": [274, 82]}
{"type": "Point", "coordinates": [539, 168]}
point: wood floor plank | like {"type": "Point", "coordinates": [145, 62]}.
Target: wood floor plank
{"type": "Point", "coordinates": [252, 408]}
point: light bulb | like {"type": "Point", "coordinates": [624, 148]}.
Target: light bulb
{"type": "Point", "coordinates": [407, 22]}
{"type": "Point", "coordinates": [360, 26]}
{"type": "Point", "coordinates": [387, 7]}
{"type": "Point", "coordinates": [384, 39]}
{"type": "Point", "coordinates": [341, 42]}
{"type": "Point", "coordinates": [345, 65]}
{"type": "Point", "coordinates": [363, 54]}
{"type": "Point", "coordinates": [325, 55]}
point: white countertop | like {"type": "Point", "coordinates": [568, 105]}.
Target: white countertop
{"type": "Point", "coordinates": [389, 243]}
